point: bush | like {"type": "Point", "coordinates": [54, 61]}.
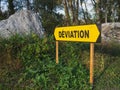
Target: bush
{"type": "Point", "coordinates": [38, 68]}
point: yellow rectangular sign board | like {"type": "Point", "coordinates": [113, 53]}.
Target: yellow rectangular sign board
{"type": "Point", "coordinates": [84, 33]}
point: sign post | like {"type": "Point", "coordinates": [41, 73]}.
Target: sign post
{"type": "Point", "coordinates": [84, 33]}
{"type": "Point", "coordinates": [91, 62]}
{"type": "Point", "coordinates": [57, 52]}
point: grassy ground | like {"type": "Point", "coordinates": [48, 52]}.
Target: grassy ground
{"type": "Point", "coordinates": [109, 78]}
{"type": "Point", "coordinates": [106, 66]}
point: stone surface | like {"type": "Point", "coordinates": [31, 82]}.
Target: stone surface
{"type": "Point", "coordinates": [111, 32]}
{"type": "Point", "coordinates": [22, 22]}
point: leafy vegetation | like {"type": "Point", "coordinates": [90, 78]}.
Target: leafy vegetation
{"type": "Point", "coordinates": [29, 63]}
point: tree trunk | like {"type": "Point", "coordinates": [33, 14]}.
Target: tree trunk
{"type": "Point", "coordinates": [84, 15]}
{"type": "Point", "coordinates": [77, 12]}
{"type": "Point", "coordinates": [11, 7]}
{"type": "Point", "coordinates": [119, 11]}
{"type": "Point", "coordinates": [67, 16]}
{"type": "Point", "coordinates": [28, 5]}
{"type": "Point", "coordinates": [70, 3]}
{"type": "Point", "coordinates": [87, 17]}
{"type": "Point", "coordinates": [0, 6]}
{"type": "Point", "coordinates": [106, 15]}
{"type": "Point", "coordinates": [98, 11]}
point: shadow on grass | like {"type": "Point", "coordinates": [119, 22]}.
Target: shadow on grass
{"type": "Point", "coordinates": [113, 51]}
{"type": "Point", "coordinates": [109, 77]}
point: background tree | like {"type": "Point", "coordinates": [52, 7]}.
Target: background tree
{"type": "Point", "coordinates": [28, 4]}
{"type": "Point", "coordinates": [76, 11]}
{"type": "Point", "coordinates": [71, 9]}
{"type": "Point", "coordinates": [118, 9]}
{"type": "Point", "coordinates": [66, 10]}
{"type": "Point", "coordinates": [3, 15]}
{"type": "Point", "coordinates": [107, 10]}
{"type": "Point", "coordinates": [0, 11]}
{"type": "Point", "coordinates": [0, 6]}
{"type": "Point", "coordinates": [11, 7]}
{"type": "Point", "coordinates": [48, 12]}
{"type": "Point", "coordinates": [84, 15]}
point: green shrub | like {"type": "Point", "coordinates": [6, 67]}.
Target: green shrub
{"type": "Point", "coordinates": [38, 69]}
{"type": "Point", "coordinates": [41, 71]}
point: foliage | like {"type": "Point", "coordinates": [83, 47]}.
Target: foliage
{"type": "Point", "coordinates": [110, 77]}
{"type": "Point", "coordinates": [3, 15]}
{"type": "Point", "coordinates": [107, 10]}
{"type": "Point", "coordinates": [28, 62]}
{"type": "Point", "coordinates": [50, 21]}
{"type": "Point", "coordinates": [76, 11]}
{"type": "Point", "coordinates": [38, 70]}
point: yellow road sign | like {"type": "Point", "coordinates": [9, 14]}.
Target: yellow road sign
{"type": "Point", "coordinates": [84, 33]}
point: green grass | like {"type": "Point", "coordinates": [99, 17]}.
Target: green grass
{"type": "Point", "coordinates": [109, 78]}
{"type": "Point", "coordinates": [29, 63]}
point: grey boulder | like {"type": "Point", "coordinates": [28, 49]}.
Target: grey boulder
{"type": "Point", "coordinates": [111, 32]}
{"type": "Point", "coordinates": [22, 22]}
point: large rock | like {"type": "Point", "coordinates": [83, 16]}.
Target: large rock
{"type": "Point", "coordinates": [111, 32]}
{"type": "Point", "coordinates": [22, 22]}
